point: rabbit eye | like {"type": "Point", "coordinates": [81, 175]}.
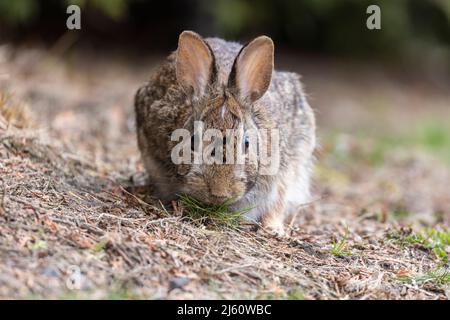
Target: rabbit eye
{"type": "Point", "coordinates": [193, 142]}
{"type": "Point", "coordinates": [246, 142]}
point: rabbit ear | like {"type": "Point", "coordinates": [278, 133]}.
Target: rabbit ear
{"type": "Point", "coordinates": [194, 63]}
{"type": "Point", "coordinates": [252, 69]}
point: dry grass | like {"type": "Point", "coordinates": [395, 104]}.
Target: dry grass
{"type": "Point", "coordinates": [13, 113]}
{"type": "Point", "coordinates": [73, 195]}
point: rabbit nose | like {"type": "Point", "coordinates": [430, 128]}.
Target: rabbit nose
{"type": "Point", "coordinates": [219, 192]}
{"type": "Point", "coordinates": [217, 200]}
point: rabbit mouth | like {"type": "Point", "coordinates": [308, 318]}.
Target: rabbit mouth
{"type": "Point", "coordinates": [217, 200]}
{"type": "Point", "coordinates": [214, 200]}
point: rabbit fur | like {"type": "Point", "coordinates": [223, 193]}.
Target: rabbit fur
{"type": "Point", "coordinates": [227, 86]}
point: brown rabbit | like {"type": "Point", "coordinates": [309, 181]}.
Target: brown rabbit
{"type": "Point", "coordinates": [226, 86]}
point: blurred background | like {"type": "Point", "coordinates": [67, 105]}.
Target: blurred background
{"type": "Point", "coordinates": [381, 96]}
{"type": "Point", "coordinates": [348, 68]}
{"type": "Point", "coordinates": [411, 29]}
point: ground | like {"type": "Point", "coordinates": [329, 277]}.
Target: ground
{"type": "Point", "coordinates": [76, 220]}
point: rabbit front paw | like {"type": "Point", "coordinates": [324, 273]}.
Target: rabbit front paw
{"type": "Point", "coordinates": [274, 224]}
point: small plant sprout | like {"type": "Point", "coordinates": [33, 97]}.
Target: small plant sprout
{"type": "Point", "coordinates": [339, 248]}
{"type": "Point", "coordinates": [436, 240]}
{"type": "Point", "coordinates": [440, 276]}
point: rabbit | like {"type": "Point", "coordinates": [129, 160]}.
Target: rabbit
{"type": "Point", "coordinates": [226, 85]}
